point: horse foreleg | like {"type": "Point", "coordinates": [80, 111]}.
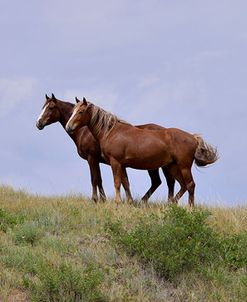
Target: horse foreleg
{"type": "Point", "coordinates": [117, 176]}
{"type": "Point", "coordinates": [155, 183]}
{"type": "Point", "coordinates": [126, 185]}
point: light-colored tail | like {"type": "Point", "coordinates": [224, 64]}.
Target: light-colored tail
{"type": "Point", "coordinates": [205, 154]}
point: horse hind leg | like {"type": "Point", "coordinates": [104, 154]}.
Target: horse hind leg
{"type": "Point", "coordinates": [179, 177]}
{"type": "Point", "coordinates": [185, 179]}
{"type": "Point", "coordinates": [101, 192]}
{"type": "Point", "coordinates": [180, 193]}
{"type": "Point", "coordinates": [190, 185]}
{"type": "Point", "coordinates": [155, 183]}
{"type": "Point", "coordinates": [168, 172]}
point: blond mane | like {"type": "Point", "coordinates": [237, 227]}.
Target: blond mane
{"type": "Point", "coordinates": [102, 120]}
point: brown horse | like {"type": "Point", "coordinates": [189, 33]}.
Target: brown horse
{"type": "Point", "coordinates": [55, 110]}
{"type": "Point", "coordinates": [124, 145]}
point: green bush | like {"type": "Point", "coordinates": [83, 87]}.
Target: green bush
{"type": "Point", "coordinates": [8, 219]}
{"type": "Point", "coordinates": [234, 250]}
{"type": "Point", "coordinates": [21, 258]}
{"type": "Point", "coordinates": [178, 241]}
{"type": "Point", "coordinates": [48, 281]}
{"type": "Point", "coordinates": [27, 233]}
{"type": "Point", "coordinates": [65, 283]}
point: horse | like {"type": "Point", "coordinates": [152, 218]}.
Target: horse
{"type": "Point", "coordinates": [124, 145]}
{"type": "Point", "coordinates": [55, 110]}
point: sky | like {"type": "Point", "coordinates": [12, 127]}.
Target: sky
{"type": "Point", "coordinates": [175, 63]}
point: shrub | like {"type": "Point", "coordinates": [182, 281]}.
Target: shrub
{"type": "Point", "coordinates": [65, 283]}
{"type": "Point", "coordinates": [21, 258]}
{"type": "Point", "coordinates": [177, 241]}
{"type": "Point", "coordinates": [234, 250]}
{"type": "Point", "coordinates": [27, 233]}
{"type": "Point", "coordinates": [48, 281]}
{"type": "Point", "coordinates": [7, 220]}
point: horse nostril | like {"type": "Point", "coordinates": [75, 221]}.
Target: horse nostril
{"type": "Point", "coordinates": [68, 129]}
{"type": "Point", "coordinates": [39, 125]}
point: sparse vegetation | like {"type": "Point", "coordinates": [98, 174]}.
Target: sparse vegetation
{"type": "Point", "coordinates": [69, 249]}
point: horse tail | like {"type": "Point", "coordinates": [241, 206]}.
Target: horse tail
{"type": "Point", "coordinates": [205, 154]}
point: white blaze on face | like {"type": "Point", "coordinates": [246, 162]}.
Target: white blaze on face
{"type": "Point", "coordinates": [42, 113]}
{"type": "Point", "coordinates": [76, 109]}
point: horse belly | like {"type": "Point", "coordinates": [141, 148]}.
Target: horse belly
{"type": "Point", "coordinates": [148, 162]}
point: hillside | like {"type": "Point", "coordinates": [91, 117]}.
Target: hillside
{"type": "Point", "coordinates": [66, 248]}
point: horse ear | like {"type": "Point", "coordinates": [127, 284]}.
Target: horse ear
{"type": "Point", "coordinates": [84, 101]}
{"type": "Point", "coordinates": [46, 96]}
{"type": "Point", "coordinates": [53, 96]}
{"type": "Point", "coordinates": [77, 100]}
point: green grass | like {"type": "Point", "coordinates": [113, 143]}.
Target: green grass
{"type": "Point", "coordinates": [66, 248]}
{"type": "Point", "coordinates": [175, 242]}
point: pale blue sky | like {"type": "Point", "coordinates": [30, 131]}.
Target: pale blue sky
{"type": "Point", "coordinates": [176, 63]}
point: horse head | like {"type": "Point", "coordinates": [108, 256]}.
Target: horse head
{"type": "Point", "coordinates": [50, 113]}
{"type": "Point", "coordinates": [80, 116]}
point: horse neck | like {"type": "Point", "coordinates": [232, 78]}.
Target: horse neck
{"type": "Point", "coordinates": [98, 135]}
{"type": "Point", "coordinates": [98, 128]}
{"type": "Point", "coordinates": [65, 109]}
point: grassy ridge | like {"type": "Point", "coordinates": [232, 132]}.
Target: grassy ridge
{"type": "Point", "coordinates": [69, 249]}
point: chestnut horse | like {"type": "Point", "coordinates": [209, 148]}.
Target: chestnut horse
{"type": "Point", "coordinates": [88, 148]}
{"type": "Point", "coordinates": [124, 145]}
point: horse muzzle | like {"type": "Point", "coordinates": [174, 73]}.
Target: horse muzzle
{"type": "Point", "coordinates": [69, 129]}
{"type": "Point", "coordinates": [39, 125]}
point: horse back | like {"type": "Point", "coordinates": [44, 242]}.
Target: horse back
{"type": "Point", "coordinates": [150, 126]}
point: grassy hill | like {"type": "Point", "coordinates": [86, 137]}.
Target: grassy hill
{"type": "Point", "coordinates": [66, 248]}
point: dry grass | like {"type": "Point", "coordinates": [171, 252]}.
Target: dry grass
{"type": "Point", "coordinates": [72, 229]}
{"type": "Point", "coordinates": [229, 220]}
